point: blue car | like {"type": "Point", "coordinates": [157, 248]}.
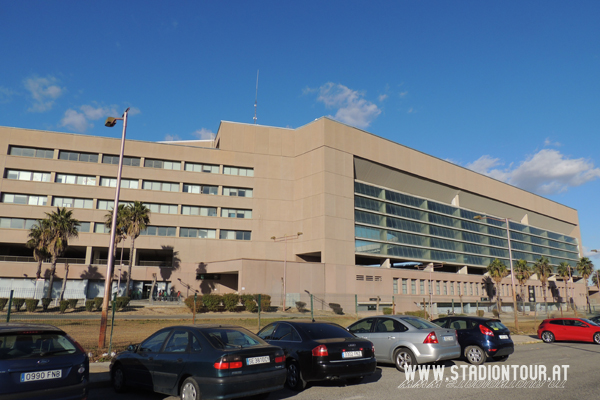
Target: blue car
{"type": "Point", "coordinates": [480, 338]}
{"type": "Point", "coordinates": [41, 362]}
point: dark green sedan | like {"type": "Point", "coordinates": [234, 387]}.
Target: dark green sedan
{"type": "Point", "coordinates": [201, 361]}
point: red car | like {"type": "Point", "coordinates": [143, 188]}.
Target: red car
{"type": "Point", "coordinates": [575, 329]}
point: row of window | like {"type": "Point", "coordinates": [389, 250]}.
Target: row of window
{"type": "Point", "coordinates": [446, 287]}
{"type": "Point", "coordinates": [129, 161]}
{"type": "Point", "coordinates": [126, 183]}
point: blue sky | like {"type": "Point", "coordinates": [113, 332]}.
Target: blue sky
{"type": "Point", "coordinates": [509, 89]}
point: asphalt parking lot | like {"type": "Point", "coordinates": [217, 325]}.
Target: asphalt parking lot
{"type": "Point", "coordinates": [579, 361]}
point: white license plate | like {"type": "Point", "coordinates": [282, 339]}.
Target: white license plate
{"type": "Point", "coordinates": [41, 375]}
{"type": "Point", "coordinates": [503, 336]}
{"type": "Point", "coordinates": [448, 338]}
{"type": "Point", "coordinates": [257, 360]}
{"type": "Point", "coordinates": [351, 354]}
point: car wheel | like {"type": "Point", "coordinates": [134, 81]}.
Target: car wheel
{"type": "Point", "coordinates": [355, 381]}
{"type": "Point", "coordinates": [190, 390]}
{"type": "Point", "coordinates": [118, 379]}
{"type": "Point", "coordinates": [548, 337]}
{"type": "Point", "coordinates": [500, 358]}
{"type": "Point", "coordinates": [294, 377]}
{"type": "Point", "coordinates": [597, 337]}
{"type": "Point", "coordinates": [403, 358]}
{"type": "Point", "coordinates": [475, 355]}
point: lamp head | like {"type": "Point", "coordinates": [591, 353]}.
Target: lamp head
{"type": "Point", "coordinates": [110, 122]}
{"type": "Point", "coordinates": [478, 217]}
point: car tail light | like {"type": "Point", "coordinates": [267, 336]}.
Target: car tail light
{"type": "Point", "coordinates": [373, 349]}
{"type": "Point", "coordinates": [320, 351]}
{"type": "Point", "coordinates": [229, 362]}
{"type": "Point", "coordinates": [486, 331]}
{"type": "Point", "coordinates": [76, 343]}
{"type": "Point", "coordinates": [279, 358]}
{"type": "Point", "coordinates": [431, 339]}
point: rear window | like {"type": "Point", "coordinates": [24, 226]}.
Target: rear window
{"type": "Point", "coordinates": [34, 344]}
{"type": "Point", "coordinates": [496, 325]}
{"type": "Point", "coordinates": [325, 331]}
{"type": "Point", "coordinates": [419, 323]}
{"type": "Point", "coordinates": [227, 338]}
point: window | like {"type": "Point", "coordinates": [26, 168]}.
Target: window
{"type": "Point", "coordinates": [239, 192]}
{"type": "Point", "coordinates": [162, 164]}
{"type": "Point", "coordinates": [360, 277]}
{"type": "Point", "coordinates": [105, 205]}
{"type": "Point", "coordinates": [76, 179]}
{"type": "Point", "coordinates": [163, 186]}
{"type": "Point", "coordinates": [125, 183]}
{"type": "Point", "coordinates": [395, 285]}
{"type": "Point", "coordinates": [17, 223]}
{"type": "Point", "coordinates": [234, 235]}
{"type": "Point", "coordinates": [422, 287]}
{"type": "Point", "coordinates": [154, 342]}
{"type": "Point", "coordinates": [159, 231]}
{"type": "Point", "coordinates": [72, 202]}
{"type": "Point", "coordinates": [84, 227]}
{"type": "Point", "coordinates": [471, 288]}
{"type": "Point", "coordinates": [99, 227]}
{"type": "Point", "coordinates": [177, 343]}
{"type": "Point", "coordinates": [413, 286]}
{"type": "Point", "coordinates": [31, 152]}
{"type": "Point", "coordinates": [198, 233]}
{"type": "Point", "coordinates": [238, 171]}
{"type": "Point", "coordinates": [130, 161]}
{"type": "Point", "coordinates": [389, 325]}
{"type": "Point", "coordinates": [363, 326]}
{"type": "Point", "coordinates": [208, 168]}
{"type": "Point", "coordinates": [75, 156]}
{"type": "Point", "coordinates": [231, 213]}
{"type": "Point", "coordinates": [445, 287]}
{"type": "Point", "coordinates": [28, 175]}
{"type": "Point", "coordinates": [200, 189]}
{"type": "Point", "coordinates": [24, 199]}
{"type": "Point", "coordinates": [404, 288]}
{"type": "Point", "coordinates": [201, 211]}
{"type": "Point", "coordinates": [437, 287]}
{"type": "Point", "coordinates": [452, 288]}
{"type": "Point", "coordinates": [162, 208]}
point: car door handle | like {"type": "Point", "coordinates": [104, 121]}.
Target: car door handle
{"type": "Point", "coordinates": [391, 337]}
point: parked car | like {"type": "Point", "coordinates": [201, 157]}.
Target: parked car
{"type": "Point", "coordinates": [575, 329]}
{"type": "Point", "coordinates": [317, 351]}
{"type": "Point", "coordinates": [201, 361]}
{"type": "Point", "coordinates": [405, 340]}
{"type": "Point", "coordinates": [41, 362]}
{"type": "Point", "coordinates": [480, 338]}
{"type": "Point", "coordinates": [595, 319]}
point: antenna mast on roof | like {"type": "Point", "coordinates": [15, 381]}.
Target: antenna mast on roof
{"type": "Point", "coordinates": [256, 97]}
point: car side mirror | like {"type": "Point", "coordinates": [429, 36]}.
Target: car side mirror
{"type": "Point", "coordinates": [132, 347]}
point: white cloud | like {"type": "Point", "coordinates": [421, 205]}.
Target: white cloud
{"type": "Point", "coordinates": [549, 142]}
{"type": "Point", "coordinates": [546, 172]}
{"type": "Point", "coordinates": [402, 94]}
{"type": "Point", "coordinates": [44, 91]}
{"type": "Point", "coordinates": [382, 97]}
{"type": "Point", "coordinates": [171, 138]}
{"type": "Point", "coordinates": [75, 121]}
{"type": "Point", "coordinates": [5, 95]}
{"type": "Point", "coordinates": [352, 108]}
{"type": "Point", "coordinates": [411, 111]}
{"type": "Point", "coordinates": [80, 121]}
{"type": "Point", "coordinates": [204, 134]}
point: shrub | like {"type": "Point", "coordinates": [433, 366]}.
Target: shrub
{"type": "Point", "coordinates": [251, 305]}
{"type": "Point", "coordinates": [89, 305]}
{"type": "Point", "coordinates": [73, 303]}
{"type": "Point", "coordinates": [245, 297]}
{"type": "Point", "coordinates": [98, 302]}
{"type": "Point", "coordinates": [212, 302]}
{"type": "Point", "coordinates": [3, 302]}
{"type": "Point", "coordinates": [387, 310]}
{"type": "Point", "coordinates": [496, 313]}
{"type": "Point", "coordinates": [18, 304]}
{"type": "Point", "coordinates": [230, 301]}
{"type": "Point", "coordinates": [300, 306]}
{"type": "Point", "coordinates": [189, 302]}
{"type": "Point", "coordinates": [480, 313]}
{"type": "Point", "coordinates": [31, 304]}
{"type": "Point", "coordinates": [46, 303]}
{"type": "Point", "coordinates": [337, 309]}
{"type": "Point", "coordinates": [64, 304]}
{"type": "Point", "coordinates": [421, 313]}
{"type": "Point", "coordinates": [122, 302]}
{"type": "Point", "coordinates": [265, 302]}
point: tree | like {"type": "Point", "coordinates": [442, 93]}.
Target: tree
{"type": "Point", "coordinates": [586, 269]}
{"type": "Point", "coordinates": [522, 273]}
{"type": "Point", "coordinates": [564, 271]}
{"type": "Point", "coordinates": [61, 227]}
{"type": "Point", "coordinates": [497, 271]}
{"type": "Point", "coordinates": [138, 218]}
{"type": "Point", "coordinates": [543, 270]}
{"type": "Point", "coordinates": [121, 231]}
{"type": "Point", "coordinates": [37, 242]}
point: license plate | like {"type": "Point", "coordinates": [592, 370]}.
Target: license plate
{"type": "Point", "coordinates": [503, 336]}
{"type": "Point", "coordinates": [351, 354]}
{"type": "Point", "coordinates": [448, 338]}
{"type": "Point", "coordinates": [257, 360]}
{"type": "Point", "coordinates": [41, 375]}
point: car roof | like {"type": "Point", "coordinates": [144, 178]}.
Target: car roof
{"type": "Point", "coordinates": [305, 322]}
{"type": "Point", "coordinates": [478, 319]}
{"type": "Point", "coordinates": [202, 326]}
{"type": "Point", "coordinates": [12, 327]}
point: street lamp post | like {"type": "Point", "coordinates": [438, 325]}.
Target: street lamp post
{"type": "Point", "coordinates": [110, 122]}
{"type": "Point", "coordinates": [510, 260]}
{"type": "Point", "coordinates": [285, 239]}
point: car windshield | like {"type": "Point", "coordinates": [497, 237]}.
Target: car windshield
{"type": "Point", "coordinates": [316, 331]}
{"type": "Point", "coordinates": [34, 344]}
{"type": "Point", "coordinates": [496, 325]}
{"type": "Point", "coordinates": [229, 338]}
{"type": "Point", "coordinates": [419, 323]}
{"type": "Point", "coordinates": [588, 321]}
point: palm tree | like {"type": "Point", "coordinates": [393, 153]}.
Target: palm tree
{"type": "Point", "coordinates": [586, 269]}
{"type": "Point", "coordinates": [543, 270]}
{"type": "Point", "coordinates": [522, 273]}
{"type": "Point", "coordinates": [38, 244]}
{"type": "Point", "coordinates": [121, 231]}
{"type": "Point", "coordinates": [61, 227]}
{"type": "Point", "coordinates": [138, 216]}
{"type": "Point", "coordinates": [564, 271]}
{"type": "Point", "coordinates": [497, 271]}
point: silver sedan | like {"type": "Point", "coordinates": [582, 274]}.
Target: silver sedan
{"type": "Point", "coordinates": [405, 340]}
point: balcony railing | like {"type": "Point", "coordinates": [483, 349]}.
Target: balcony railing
{"type": "Point", "coordinates": [32, 260]}
{"type": "Point", "coordinates": [165, 264]}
